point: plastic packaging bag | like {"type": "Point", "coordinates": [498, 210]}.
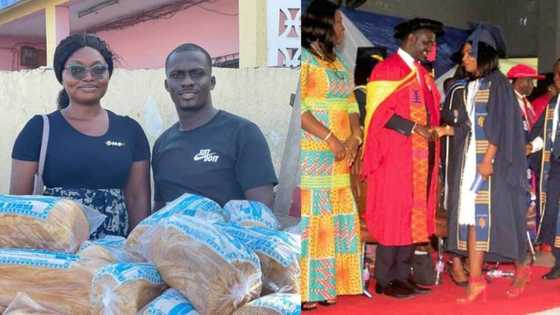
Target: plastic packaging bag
{"type": "Point", "coordinates": [250, 213]}
{"type": "Point", "coordinates": [42, 222]}
{"type": "Point", "coordinates": [216, 272]}
{"type": "Point", "coordinates": [24, 305]}
{"type": "Point", "coordinates": [187, 205]}
{"type": "Point", "coordinates": [273, 304]}
{"type": "Point", "coordinates": [171, 302]}
{"type": "Point", "coordinates": [278, 253]}
{"type": "Point", "coordinates": [58, 281]}
{"type": "Point", "coordinates": [94, 217]}
{"type": "Point", "coordinates": [110, 248]}
{"type": "Point", "coordinates": [125, 288]}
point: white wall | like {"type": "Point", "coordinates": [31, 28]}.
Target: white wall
{"type": "Point", "coordinates": [259, 94]}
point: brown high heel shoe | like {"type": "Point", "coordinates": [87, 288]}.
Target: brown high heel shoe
{"type": "Point", "coordinates": [475, 290]}
{"type": "Point", "coordinates": [523, 277]}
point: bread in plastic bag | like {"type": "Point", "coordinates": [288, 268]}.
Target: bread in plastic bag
{"type": "Point", "coordinates": [273, 304]}
{"type": "Point", "coordinates": [24, 305]}
{"type": "Point", "coordinates": [58, 281]}
{"type": "Point", "coordinates": [216, 272]}
{"type": "Point", "coordinates": [187, 205]}
{"type": "Point", "coordinates": [278, 253]}
{"type": "Point", "coordinates": [110, 248]}
{"type": "Point", "coordinates": [42, 222]}
{"type": "Point", "coordinates": [125, 288]}
{"type": "Point", "coordinates": [171, 302]}
{"type": "Point", "coordinates": [250, 213]}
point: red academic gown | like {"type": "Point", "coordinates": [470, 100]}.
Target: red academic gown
{"type": "Point", "coordinates": [540, 103]}
{"type": "Point", "coordinates": [389, 156]}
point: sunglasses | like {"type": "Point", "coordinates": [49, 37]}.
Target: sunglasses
{"type": "Point", "coordinates": [79, 72]}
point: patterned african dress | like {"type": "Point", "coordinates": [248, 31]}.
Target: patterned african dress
{"type": "Point", "coordinates": [331, 253]}
{"type": "Point", "coordinates": [110, 202]}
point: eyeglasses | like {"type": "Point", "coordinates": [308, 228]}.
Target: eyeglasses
{"type": "Point", "coordinates": [79, 72]}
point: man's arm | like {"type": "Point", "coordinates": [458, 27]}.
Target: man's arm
{"type": "Point", "coordinates": [262, 194]}
{"type": "Point", "coordinates": [254, 169]}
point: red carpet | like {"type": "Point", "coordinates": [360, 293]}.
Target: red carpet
{"type": "Point", "coordinates": [539, 295]}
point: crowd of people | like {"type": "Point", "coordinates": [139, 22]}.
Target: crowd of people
{"type": "Point", "coordinates": [483, 153]}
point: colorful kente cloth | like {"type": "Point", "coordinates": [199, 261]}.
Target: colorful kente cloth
{"type": "Point", "coordinates": [330, 249]}
{"type": "Point", "coordinates": [401, 199]}
{"type": "Point", "coordinates": [482, 202]}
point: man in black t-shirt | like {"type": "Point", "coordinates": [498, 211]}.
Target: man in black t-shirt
{"type": "Point", "coordinates": [208, 152]}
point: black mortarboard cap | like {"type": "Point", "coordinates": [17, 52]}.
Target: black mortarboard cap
{"type": "Point", "coordinates": [490, 35]}
{"type": "Point", "coordinates": [405, 28]}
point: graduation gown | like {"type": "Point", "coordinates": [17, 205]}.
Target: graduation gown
{"type": "Point", "coordinates": [401, 198]}
{"type": "Point", "coordinates": [549, 227]}
{"type": "Point", "coordinates": [501, 208]}
{"type": "Point", "coordinates": [454, 113]}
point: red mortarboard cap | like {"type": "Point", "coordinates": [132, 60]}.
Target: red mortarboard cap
{"type": "Point", "coordinates": [523, 71]}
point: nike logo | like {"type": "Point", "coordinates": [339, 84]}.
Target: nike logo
{"type": "Point", "coordinates": [206, 155]}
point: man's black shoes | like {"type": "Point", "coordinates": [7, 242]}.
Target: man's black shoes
{"type": "Point", "coordinates": [553, 274]}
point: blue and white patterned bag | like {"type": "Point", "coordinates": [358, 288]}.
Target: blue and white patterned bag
{"type": "Point", "coordinates": [43, 222]}
{"type": "Point", "coordinates": [278, 253]}
{"type": "Point", "coordinates": [187, 205]}
{"type": "Point", "coordinates": [58, 281]}
{"type": "Point", "coordinates": [110, 248]}
{"type": "Point", "coordinates": [250, 213]}
{"type": "Point", "coordinates": [171, 302]}
{"type": "Point", "coordinates": [216, 272]}
{"type": "Point", "coordinates": [273, 304]}
{"type": "Point", "coordinates": [125, 288]}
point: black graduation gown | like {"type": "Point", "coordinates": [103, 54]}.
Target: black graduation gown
{"type": "Point", "coordinates": [503, 127]}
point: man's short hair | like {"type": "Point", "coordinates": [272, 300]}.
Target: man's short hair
{"type": "Point", "coordinates": [189, 47]}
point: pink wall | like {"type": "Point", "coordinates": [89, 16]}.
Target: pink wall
{"type": "Point", "coordinates": [147, 44]}
{"type": "Point", "coordinates": [9, 51]}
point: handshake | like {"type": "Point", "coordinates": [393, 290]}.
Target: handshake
{"type": "Point", "coordinates": [433, 133]}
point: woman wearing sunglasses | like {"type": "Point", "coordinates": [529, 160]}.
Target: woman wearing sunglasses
{"type": "Point", "coordinates": [93, 155]}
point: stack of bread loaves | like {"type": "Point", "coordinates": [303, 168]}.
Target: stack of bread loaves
{"type": "Point", "coordinates": [217, 261]}
{"type": "Point", "coordinates": [39, 236]}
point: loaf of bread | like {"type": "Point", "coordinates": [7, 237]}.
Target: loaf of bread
{"type": "Point", "coordinates": [278, 253]}
{"type": "Point", "coordinates": [60, 282]}
{"type": "Point", "coordinates": [250, 213]}
{"type": "Point", "coordinates": [171, 302]}
{"type": "Point", "coordinates": [125, 288]}
{"type": "Point", "coordinates": [273, 304]}
{"type": "Point", "coordinates": [110, 248]}
{"type": "Point", "coordinates": [187, 205]}
{"type": "Point", "coordinates": [214, 271]}
{"type": "Point", "coordinates": [24, 305]}
{"type": "Point", "coordinates": [42, 222]}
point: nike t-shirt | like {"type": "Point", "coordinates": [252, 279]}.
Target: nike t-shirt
{"type": "Point", "coordinates": [219, 160]}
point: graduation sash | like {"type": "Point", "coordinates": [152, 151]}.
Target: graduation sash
{"type": "Point", "coordinates": [483, 204]}
{"type": "Point", "coordinates": [545, 165]}
{"type": "Point", "coordinates": [378, 91]}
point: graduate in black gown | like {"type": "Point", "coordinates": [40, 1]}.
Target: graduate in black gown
{"type": "Point", "coordinates": [453, 114]}
{"type": "Point", "coordinates": [488, 147]}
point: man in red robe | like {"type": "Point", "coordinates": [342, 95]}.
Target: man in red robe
{"type": "Point", "coordinates": [542, 101]}
{"type": "Point", "coordinates": [401, 156]}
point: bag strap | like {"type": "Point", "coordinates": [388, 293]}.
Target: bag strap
{"type": "Point", "coordinates": [44, 144]}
